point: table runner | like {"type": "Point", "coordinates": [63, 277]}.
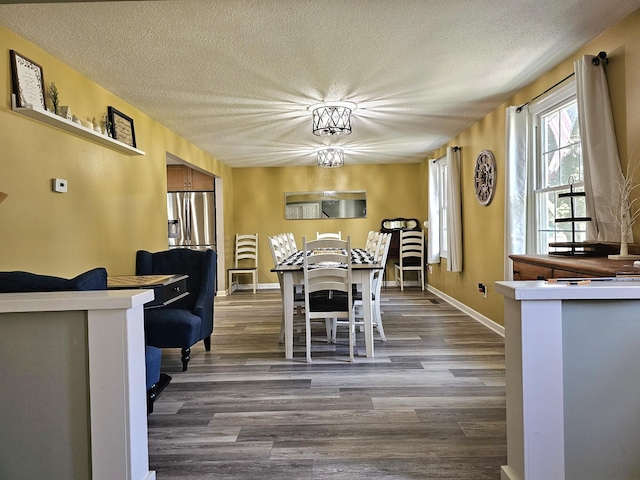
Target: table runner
{"type": "Point", "coordinates": [358, 256]}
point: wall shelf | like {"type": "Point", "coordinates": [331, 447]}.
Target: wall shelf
{"type": "Point", "coordinates": [68, 126]}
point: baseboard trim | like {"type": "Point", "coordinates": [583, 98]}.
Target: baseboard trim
{"type": "Point", "coordinates": [486, 321]}
{"type": "Point", "coordinates": [248, 286]}
{"type": "Point", "coordinates": [506, 473]}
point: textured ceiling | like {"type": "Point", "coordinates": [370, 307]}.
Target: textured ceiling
{"type": "Point", "coordinates": [235, 77]}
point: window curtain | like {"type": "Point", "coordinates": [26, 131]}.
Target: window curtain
{"type": "Point", "coordinates": [454, 211]}
{"type": "Point", "coordinates": [516, 168]}
{"type": "Point", "coordinates": [433, 233]}
{"type": "Point", "coordinates": [599, 149]}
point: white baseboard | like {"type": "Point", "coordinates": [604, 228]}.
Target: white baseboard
{"type": "Point", "coordinates": [486, 321]}
{"type": "Point", "coordinates": [248, 286]}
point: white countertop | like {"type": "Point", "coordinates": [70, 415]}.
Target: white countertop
{"type": "Point", "coordinates": [64, 301]}
{"type": "Point", "coordinates": [595, 290]}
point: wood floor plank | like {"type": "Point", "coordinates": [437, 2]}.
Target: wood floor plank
{"type": "Point", "coordinates": [429, 405]}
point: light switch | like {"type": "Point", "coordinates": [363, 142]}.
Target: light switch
{"type": "Point", "coordinates": [59, 185]}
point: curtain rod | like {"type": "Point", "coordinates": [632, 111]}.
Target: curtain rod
{"type": "Point", "coordinates": [596, 61]}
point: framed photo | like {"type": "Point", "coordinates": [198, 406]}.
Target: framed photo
{"type": "Point", "coordinates": [121, 127]}
{"type": "Point", "coordinates": [28, 82]}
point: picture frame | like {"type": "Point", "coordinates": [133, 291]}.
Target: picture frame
{"type": "Point", "coordinates": [121, 127]}
{"type": "Point", "coordinates": [28, 82]}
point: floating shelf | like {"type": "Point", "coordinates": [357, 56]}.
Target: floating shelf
{"type": "Point", "coordinates": [68, 126]}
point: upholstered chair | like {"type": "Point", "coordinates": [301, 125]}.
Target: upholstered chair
{"type": "Point", "coordinates": [188, 320]}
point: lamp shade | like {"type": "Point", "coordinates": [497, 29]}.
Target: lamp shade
{"type": "Point", "coordinates": [332, 119]}
{"type": "Point", "coordinates": [330, 157]}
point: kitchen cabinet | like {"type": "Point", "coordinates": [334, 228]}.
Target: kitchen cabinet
{"type": "Point", "coordinates": [181, 178]}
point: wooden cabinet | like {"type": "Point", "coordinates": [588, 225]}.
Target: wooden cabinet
{"type": "Point", "coordinates": [181, 178]}
{"type": "Point", "coordinates": [543, 267]}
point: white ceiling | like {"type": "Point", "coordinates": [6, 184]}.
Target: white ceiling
{"type": "Point", "coordinates": [235, 77]}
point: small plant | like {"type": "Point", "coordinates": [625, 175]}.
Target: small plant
{"type": "Point", "coordinates": [53, 96]}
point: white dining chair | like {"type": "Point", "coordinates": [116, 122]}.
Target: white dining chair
{"type": "Point", "coordinates": [327, 285]}
{"type": "Point", "coordinates": [380, 256]}
{"type": "Point", "coordinates": [245, 259]}
{"type": "Point", "coordinates": [411, 256]}
{"type": "Point", "coordinates": [336, 236]}
{"type": "Point", "coordinates": [371, 244]}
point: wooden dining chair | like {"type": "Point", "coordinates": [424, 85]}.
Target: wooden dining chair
{"type": "Point", "coordinates": [327, 285]}
{"type": "Point", "coordinates": [411, 256]}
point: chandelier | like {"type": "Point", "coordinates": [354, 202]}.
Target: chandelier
{"type": "Point", "coordinates": [332, 118]}
{"type": "Point", "coordinates": [330, 157]}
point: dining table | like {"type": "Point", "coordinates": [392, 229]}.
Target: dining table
{"type": "Point", "coordinates": [363, 266]}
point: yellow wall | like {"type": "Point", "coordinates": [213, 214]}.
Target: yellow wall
{"type": "Point", "coordinates": [392, 191]}
{"type": "Point", "coordinates": [483, 227]}
{"type": "Point", "coordinates": [116, 203]}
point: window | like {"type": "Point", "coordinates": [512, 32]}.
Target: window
{"type": "Point", "coordinates": [557, 167]}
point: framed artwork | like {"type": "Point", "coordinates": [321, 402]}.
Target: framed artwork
{"type": "Point", "coordinates": [28, 82]}
{"type": "Point", "coordinates": [121, 127]}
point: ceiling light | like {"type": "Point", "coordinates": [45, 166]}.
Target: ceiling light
{"type": "Point", "coordinates": [332, 118]}
{"type": "Point", "coordinates": [330, 157]}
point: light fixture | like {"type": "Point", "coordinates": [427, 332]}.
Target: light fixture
{"type": "Point", "coordinates": [330, 157]}
{"type": "Point", "coordinates": [332, 118]}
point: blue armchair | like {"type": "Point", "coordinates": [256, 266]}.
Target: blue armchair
{"type": "Point", "coordinates": [186, 321]}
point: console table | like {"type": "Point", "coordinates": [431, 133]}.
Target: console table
{"type": "Point", "coordinates": [572, 362]}
{"type": "Point", "coordinates": [543, 267]}
{"type": "Point", "coordinates": [166, 288]}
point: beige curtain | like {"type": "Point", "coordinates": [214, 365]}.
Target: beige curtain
{"type": "Point", "coordinates": [599, 149]}
{"type": "Point", "coordinates": [454, 211]}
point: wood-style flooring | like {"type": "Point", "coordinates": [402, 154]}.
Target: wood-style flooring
{"type": "Point", "coordinates": [430, 405]}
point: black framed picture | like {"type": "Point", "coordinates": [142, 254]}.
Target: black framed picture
{"type": "Point", "coordinates": [28, 82]}
{"type": "Point", "coordinates": [121, 127]}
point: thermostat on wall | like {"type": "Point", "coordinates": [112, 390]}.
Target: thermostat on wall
{"type": "Point", "coordinates": [59, 185]}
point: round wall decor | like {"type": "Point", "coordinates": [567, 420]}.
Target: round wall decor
{"type": "Point", "coordinates": [485, 177]}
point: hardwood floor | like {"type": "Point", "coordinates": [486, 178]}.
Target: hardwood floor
{"type": "Point", "coordinates": [430, 405]}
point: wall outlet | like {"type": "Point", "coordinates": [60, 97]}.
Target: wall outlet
{"type": "Point", "coordinates": [429, 269]}
{"type": "Point", "coordinates": [59, 185]}
{"type": "Point", "coordinates": [482, 289]}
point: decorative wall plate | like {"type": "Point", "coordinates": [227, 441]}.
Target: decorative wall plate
{"type": "Point", "coordinates": [485, 177]}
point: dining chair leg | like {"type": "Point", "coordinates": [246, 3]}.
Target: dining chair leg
{"type": "Point", "coordinates": [352, 333]}
{"type": "Point", "coordinates": [281, 337]}
{"type": "Point", "coordinates": [378, 320]}
{"type": "Point", "coordinates": [329, 325]}
{"type": "Point", "coordinates": [308, 340]}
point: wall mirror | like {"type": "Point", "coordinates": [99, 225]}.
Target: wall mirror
{"type": "Point", "coordinates": [329, 204]}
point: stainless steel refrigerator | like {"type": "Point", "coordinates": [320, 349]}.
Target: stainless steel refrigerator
{"type": "Point", "coordinates": [191, 220]}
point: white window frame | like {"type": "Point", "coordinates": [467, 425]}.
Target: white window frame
{"type": "Point", "coordinates": [560, 96]}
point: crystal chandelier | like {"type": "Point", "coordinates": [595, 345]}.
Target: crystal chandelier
{"type": "Point", "coordinates": [332, 118]}
{"type": "Point", "coordinates": [330, 157]}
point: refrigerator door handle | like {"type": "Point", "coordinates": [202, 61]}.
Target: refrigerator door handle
{"type": "Point", "coordinates": [187, 218]}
